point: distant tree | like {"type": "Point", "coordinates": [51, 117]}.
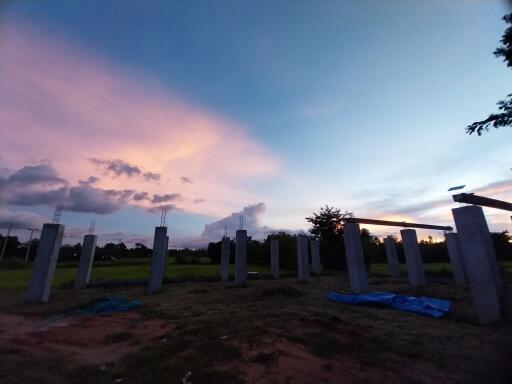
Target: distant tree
{"type": "Point", "coordinates": [373, 248]}
{"type": "Point", "coordinates": [12, 248]}
{"type": "Point", "coordinates": [110, 250]}
{"type": "Point", "coordinates": [214, 252]}
{"type": "Point", "coordinates": [287, 250]}
{"type": "Point", "coordinates": [502, 244]}
{"type": "Point", "coordinates": [70, 252]}
{"type": "Point", "coordinates": [189, 256]}
{"type": "Point", "coordinates": [504, 117]}
{"type": "Point", "coordinates": [327, 225]}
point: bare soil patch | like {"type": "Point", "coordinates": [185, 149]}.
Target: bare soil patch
{"type": "Point", "coordinates": [268, 332]}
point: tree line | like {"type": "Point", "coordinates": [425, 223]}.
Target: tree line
{"type": "Point", "coordinates": [326, 226]}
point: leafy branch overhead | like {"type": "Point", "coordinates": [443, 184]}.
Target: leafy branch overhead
{"type": "Point", "coordinates": [504, 117]}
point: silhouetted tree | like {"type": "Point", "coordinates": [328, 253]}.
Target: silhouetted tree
{"type": "Point", "coordinates": [328, 227]}
{"type": "Point", "coordinates": [504, 117]}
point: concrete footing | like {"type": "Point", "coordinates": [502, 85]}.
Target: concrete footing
{"type": "Point", "coordinates": [45, 263]}
{"type": "Point", "coordinates": [355, 258]}
{"type": "Point", "coordinates": [413, 258]}
{"type": "Point", "coordinates": [453, 247]}
{"type": "Point", "coordinates": [241, 257]}
{"type": "Point", "coordinates": [392, 256]}
{"type": "Point", "coordinates": [480, 264]}
{"type": "Point", "coordinates": [274, 258]}
{"type": "Point", "coordinates": [302, 258]}
{"type": "Point", "coordinates": [157, 273]}
{"type": "Point", "coordinates": [316, 266]}
{"type": "Point", "coordinates": [224, 259]}
{"type": "Point", "coordinates": [83, 273]}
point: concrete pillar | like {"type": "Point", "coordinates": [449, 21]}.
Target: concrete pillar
{"type": "Point", "coordinates": [241, 257]}
{"type": "Point", "coordinates": [452, 244]}
{"type": "Point", "coordinates": [224, 259]}
{"type": "Point", "coordinates": [413, 258]}
{"type": "Point", "coordinates": [166, 254]}
{"type": "Point", "coordinates": [156, 276]}
{"type": "Point", "coordinates": [355, 258]}
{"type": "Point", "coordinates": [45, 263]}
{"type": "Point", "coordinates": [274, 258]}
{"type": "Point", "coordinates": [83, 273]}
{"type": "Point", "coordinates": [316, 266]}
{"type": "Point", "coordinates": [302, 258]}
{"type": "Point", "coordinates": [480, 264]}
{"type": "Point", "coordinates": [392, 256]}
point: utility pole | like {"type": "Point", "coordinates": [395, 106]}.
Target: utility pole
{"type": "Point", "coordinates": [32, 230]}
{"type": "Point", "coordinates": [5, 242]}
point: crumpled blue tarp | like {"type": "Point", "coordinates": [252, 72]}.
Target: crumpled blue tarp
{"type": "Point", "coordinates": [427, 306]}
{"type": "Point", "coordinates": [107, 306]}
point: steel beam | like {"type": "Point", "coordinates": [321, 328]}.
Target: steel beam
{"type": "Point", "coordinates": [402, 224]}
{"type": "Point", "coordinates": [470, 198]}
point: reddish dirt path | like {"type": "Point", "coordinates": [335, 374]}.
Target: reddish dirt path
{"type": "Point", "coordinates": [88, 340]}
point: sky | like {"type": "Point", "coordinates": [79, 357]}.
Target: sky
{"type": "Point", "coordinates": [269, 109]}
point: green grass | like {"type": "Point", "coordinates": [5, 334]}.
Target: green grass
{"type": "Point", "coordinates": [430, 268]}
{"type": "Point", "coordinates": [19, 278]}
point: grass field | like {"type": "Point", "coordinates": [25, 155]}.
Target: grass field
{"type": "Point", "coordinates": [18, 278]}
{"type": "Point", "coordinates": [137, 269]}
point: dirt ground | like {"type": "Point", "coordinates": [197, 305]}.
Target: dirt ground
{"type": "Point", "coordinates": [268, 332]}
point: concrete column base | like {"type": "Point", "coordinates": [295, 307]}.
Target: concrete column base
{"type": "Point", "coordinates": [392, 256]}
{"type": "Point", "coordinates": [274, 258]}
{"type": "Point", "coordinates": [224, 259]}
{"type": "Point", "coordinates": [156, 276]}
{"type": "Point", "coordinates": [413, 258]}
{"type": "Point", "coordinates": [355, 258]}
{"type": "Point", "coordinates": [45, 263]}
{"type": "Point", "coordinates": [241, 257]}
{"type": "Point", "coordinates": [302, 258]}
{"type": "Point", "coordinates": [316, 266]}
{"type": "Point", "coordinates": [452, 244]}
{"type": "Point", "coordinates": [480, 264]}
{"type": "Point", "coordinates": [83, 273]}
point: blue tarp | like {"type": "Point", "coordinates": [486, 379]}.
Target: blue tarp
{"type": "Point", "coordinates": [107, 306]}
{"type": "Point", "coordinates": [427, 306]}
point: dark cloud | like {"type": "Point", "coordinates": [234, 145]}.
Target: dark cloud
{"type": "Point", "coordinates": [186, 180]}
{"type": "Point", "coordinates": [33, 175]}
{"type": "Point", "coordinates": [139, 196]}
{"type": "Point", "coordinates": [198, 201]}
{"type": "Point", "coordinates": [117, 167]}
{"type": "Point", "coordinates": [89, 180]}
{"type": "Point", "coordinates": [33, 185]}
{"type": "Point", "coordinates": [150, 176]}
{"type": "Point", "coordinates": [122, 195]}
{"type": "Point", "coordinates": [85, 198]}
{"type": "Point", "coordinates": [35, 197]}
{"type": "Point", "coordinates": [166, 198]}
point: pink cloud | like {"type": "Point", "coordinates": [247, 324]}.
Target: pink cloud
{"type": "Point", "coordinates": [62, 103]}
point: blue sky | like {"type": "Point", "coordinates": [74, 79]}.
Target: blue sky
{"type": "Point", "coordinates": [359, 104]}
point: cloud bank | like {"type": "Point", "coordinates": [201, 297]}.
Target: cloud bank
{"type": "Point", "coordinates": [251, 222]}
{"type": "Point", "coordinates": [90, 116]}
